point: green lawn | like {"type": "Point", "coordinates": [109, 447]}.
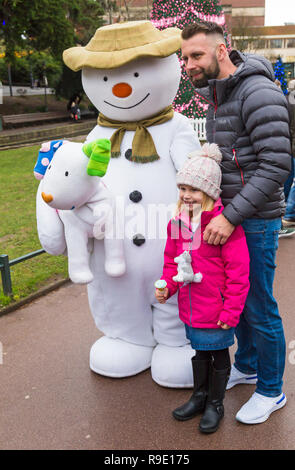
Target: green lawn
{"type": "Point", "coordinates": [18, 227]}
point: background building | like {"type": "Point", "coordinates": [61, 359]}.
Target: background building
{"type": "Point", "coordinates": [250, 12]}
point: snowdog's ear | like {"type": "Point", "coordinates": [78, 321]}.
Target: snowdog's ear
{"type": "Point", "coordinates": [99, 153]}
{"type": "Point", "coordinates": [45, 156]}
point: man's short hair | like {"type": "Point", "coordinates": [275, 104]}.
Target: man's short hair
{"type": "Point", "coordinates": [207, 28]}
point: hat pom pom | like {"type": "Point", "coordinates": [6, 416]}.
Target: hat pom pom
{"type": "Point", "coordinates": [207, 150]}
{"type": "Point", "coordinates": [211, 151]}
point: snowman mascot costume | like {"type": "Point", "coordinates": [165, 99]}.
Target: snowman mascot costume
{"type": "Point", "coordinates": [131, 74]}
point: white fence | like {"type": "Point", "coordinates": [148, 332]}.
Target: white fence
{"type": "Point", "coordinates": [199, 126]}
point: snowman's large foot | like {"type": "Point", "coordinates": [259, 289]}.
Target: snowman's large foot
{"type": "Point", "coordinates": [118, 358]}
{"type": "Point", "coordinates": [172, 366]}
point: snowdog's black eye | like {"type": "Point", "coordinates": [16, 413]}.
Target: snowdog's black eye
{"type": "Point", "coordinates": [136, 74]}
{"type": "Point", "coordinates": [66, 173]}
{"type": "Point", "coordinates": [105, 79]}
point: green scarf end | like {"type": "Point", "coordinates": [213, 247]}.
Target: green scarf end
{"type": "Point", "coordinates": [99, 153]}
{"type": "Point", "coordinates": [95, 172]}
{"type": "Point", "coordinates": [142, 159]}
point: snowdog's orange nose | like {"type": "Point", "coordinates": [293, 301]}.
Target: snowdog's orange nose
{"type": "Point", "coordinates": [122, 90]}
{"type": "Point", "coordinates": [47, 197]}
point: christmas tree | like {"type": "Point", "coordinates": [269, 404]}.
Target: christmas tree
{"type": "Point", "coordinates": [179, 13]}
{"type": "Point", "coordinates": [279, 70]}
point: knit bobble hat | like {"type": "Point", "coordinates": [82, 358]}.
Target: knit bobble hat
{"type": "Point", "coordinates": [202, 170]}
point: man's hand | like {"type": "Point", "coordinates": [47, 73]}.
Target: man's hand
{"type": "Point", "coordinates": [162, 295]}
{"type": "Point", "coordinates": [218, 230]}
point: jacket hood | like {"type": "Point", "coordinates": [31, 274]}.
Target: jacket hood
{"type": "Point", "coordinates": [248, 64]}
{"type": "Point", "coordinates": [251, 64]}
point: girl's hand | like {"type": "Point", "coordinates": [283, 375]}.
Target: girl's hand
{"type": "Point", "coordinates": [162, 295]}
{"type": "Point", "coordinates": [224, 326]}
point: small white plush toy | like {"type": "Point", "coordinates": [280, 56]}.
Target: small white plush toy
{"type": "Point", "coordinates": [71, 185]}
{"type": "Point", "coordinates": [185, 271]}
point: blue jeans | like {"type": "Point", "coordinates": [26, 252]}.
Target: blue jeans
{"type": "Point", "coordinates": [260, 334]}
{"type": "Point", "coordinates": [290, 208]}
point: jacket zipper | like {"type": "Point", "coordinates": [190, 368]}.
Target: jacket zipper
{"type": "Point", "coordinates": [222, 298]}
{"type": "Point", "coordinates": [215, 104]}
{"type": "Point", "coordinates": [237, 163]}
{"type": "Point", "coordinates": [214, 115]}
{"type": "Point", "coordinates": [190, 284]}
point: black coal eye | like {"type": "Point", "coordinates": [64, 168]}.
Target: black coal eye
{"type": "Point", "coordinates": [105, 79]}
{"type": "Point", "coordinates": [66, 173]}
{"type": "Point", "coordinates": [49, 167]}
{"type": "Point", "coordinates": [136, 74]}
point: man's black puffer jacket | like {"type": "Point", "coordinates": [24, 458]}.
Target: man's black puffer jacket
{"type": "Point", "coordinates": [248, 119]}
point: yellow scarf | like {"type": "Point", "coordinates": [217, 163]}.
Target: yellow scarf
{"type": "Point", "coordinates": [143, 147]}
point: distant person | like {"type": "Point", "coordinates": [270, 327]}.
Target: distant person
{"type": "Point", "coordinates": [286, 229]}
{"type": "Point", "coordinates": [289, 217]}
{"type": "Point", "coordinates": [73, 107]}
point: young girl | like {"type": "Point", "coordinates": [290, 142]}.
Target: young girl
{"type": "Point", "coordinates": [211, 305]}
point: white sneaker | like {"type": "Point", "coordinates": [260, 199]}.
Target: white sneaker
{"type": "Point", "coordinates": [259, 408]}
{"type": "Point", "coordinates": [237, 377]}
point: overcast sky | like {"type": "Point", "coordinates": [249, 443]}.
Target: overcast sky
{"type": "Point", "coordinates": [278, 12]}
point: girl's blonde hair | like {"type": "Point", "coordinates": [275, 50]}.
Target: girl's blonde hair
{"type": "Point", "coordinates": [206, 205]}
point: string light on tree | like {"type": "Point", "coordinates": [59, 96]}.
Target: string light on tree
{"type": "Point", "coordinates": [179, 13]}
{"type": "Point", "coordinates": [279, 70]}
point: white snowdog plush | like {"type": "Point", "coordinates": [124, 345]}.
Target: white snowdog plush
{"type": "Point", "coordinates": [70, 183]}
{"type": "Point", "coordinates": [131, 74]}
{"type": "Point", "coordinates": [185, 271]}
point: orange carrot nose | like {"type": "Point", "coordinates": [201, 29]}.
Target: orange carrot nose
{"type": "Point", "coordinates": [46, 197]}
{"type": "Point", "coordinates": [122, 90]}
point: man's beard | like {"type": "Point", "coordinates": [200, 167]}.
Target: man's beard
{"type": "Point", "coordinates": [209, 74]}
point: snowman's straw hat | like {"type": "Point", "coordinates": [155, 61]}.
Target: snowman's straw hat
{"type": "Point", "coordinates": [117, 44]}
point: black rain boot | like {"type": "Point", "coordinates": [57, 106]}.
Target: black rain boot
{"type": "Point", "coordinates": [214, 410]}
{"type": "Point", "coordinates": [197, 402]}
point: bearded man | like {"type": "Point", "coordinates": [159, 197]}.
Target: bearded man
{"type": "Point", "coordinates": [248, 119]}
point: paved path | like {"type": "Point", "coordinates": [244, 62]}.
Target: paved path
{"type": "Point", "coordinates": [51, 400]}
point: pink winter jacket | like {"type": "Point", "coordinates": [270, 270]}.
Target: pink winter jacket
{"type": "Point", "coordinates": [222, 292]}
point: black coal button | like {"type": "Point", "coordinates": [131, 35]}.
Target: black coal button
{"type": "Point", "coordinates": [128, 154]}
{"type": "Point", "coordinates": [138, 239]}
{"type": "Point", "coordinates": [135, 196]}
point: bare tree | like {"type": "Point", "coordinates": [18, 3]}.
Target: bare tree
{"type": "Point", "coordinates": [244, 35]}
{"type": "Point", "coordinates": [127, 9]}
{"type": "Point", "coordinates": [147, 9]}
{"type": "Point", "coordinates": [110, 7]}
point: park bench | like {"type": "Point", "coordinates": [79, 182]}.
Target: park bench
{"type": "Point", "coordinates": [19, 120]}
